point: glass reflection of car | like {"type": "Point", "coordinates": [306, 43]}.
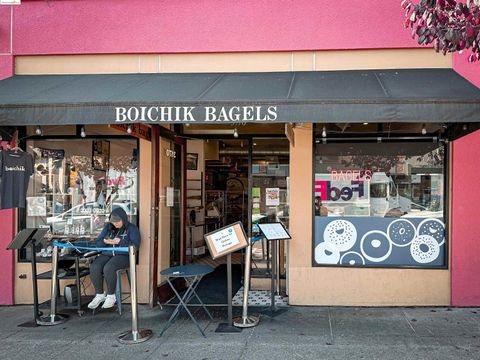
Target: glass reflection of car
{"type": "Point", "coordinates": [79, 218]}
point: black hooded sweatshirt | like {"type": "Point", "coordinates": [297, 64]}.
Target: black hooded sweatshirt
{"type": "Point", "coordinates": [128, 234]}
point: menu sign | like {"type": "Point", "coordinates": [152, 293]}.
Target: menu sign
{"type": "Point", "coordinates": [226, 240]}
{"type": "Point", "coordinates": [274, 231]}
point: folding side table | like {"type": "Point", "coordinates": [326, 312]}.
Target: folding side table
{"type": "Point", "coordinates": [192, 274]}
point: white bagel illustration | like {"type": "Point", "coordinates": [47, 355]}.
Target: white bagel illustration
{"type": "Point", "coordinates": [375, 238]}
{"type": "Point", "coordinates": [424, 249]}
{"type": "Point", "coordinates": [434, 228]}
{"type": "Point", "coordinates": [326, 253]}
{"type": "Point", "coordinates": [352, 258]}
{"type": "Point", "coordinates": [341, 233]}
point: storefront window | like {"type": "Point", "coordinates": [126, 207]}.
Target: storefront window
{"type": "Point", "coordinates": [77, 183]}
{"type": "Point", "coordinates": [379, 204]}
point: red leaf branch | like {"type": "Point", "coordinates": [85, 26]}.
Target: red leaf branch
{"type": "Point", "coordinates": [448, 25]}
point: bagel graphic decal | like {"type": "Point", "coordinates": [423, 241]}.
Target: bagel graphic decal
{"type": "Point", "coordinates": [381, 242]}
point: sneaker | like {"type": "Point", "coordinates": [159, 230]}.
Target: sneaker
{"type": "Point", "coordinates": [109, 302]}
{"type": "Point", "coordinates": [97, 300]}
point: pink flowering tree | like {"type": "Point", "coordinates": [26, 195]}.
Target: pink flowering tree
{"type": "Point", "coordinates": [448, 25]}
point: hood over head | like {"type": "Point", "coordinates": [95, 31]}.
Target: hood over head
{"type": "Point", "coordinates": [119, 212]}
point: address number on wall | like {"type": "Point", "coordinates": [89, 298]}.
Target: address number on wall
{"type": "Point", "coordinates": [171, 153]}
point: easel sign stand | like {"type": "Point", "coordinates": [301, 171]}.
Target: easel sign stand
{"type": "Point", "coordinates": [53, 318]}
{"type": "Point", "coordinates": [223, 242]}
{"type": "Point", "coordinates": [246, 321]}
{"type": "Point", "coordinates": [274, 232]}
{"type": "Point", "coordinates": [30, 237]}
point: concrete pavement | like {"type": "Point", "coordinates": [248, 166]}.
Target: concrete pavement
{"type": "Point", "coordinates": [300, 333]}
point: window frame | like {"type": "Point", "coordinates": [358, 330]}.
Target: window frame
{"type": "Point", "coordinates": [23, 254]}
{"type": "Point", "coordinates": [317, 139]}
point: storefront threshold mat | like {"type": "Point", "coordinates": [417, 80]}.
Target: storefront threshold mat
{"type": "Point", "coordinates": [259, 298]}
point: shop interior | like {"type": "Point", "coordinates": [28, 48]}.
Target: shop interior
{"type": "Point", "coordinates": [219, 162]}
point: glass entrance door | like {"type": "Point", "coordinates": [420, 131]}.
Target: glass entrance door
{"type": "Point", "coordinates": [270, 200]}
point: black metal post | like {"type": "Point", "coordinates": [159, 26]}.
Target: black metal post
{"type": "Point", "coordinates": [79, 289]}
{"type": "Point", "coordinates": [36, 312]}
{"type": "Point", "coordinates": [228, 327]}
{"type": "Point", "coordinates": [272, 311]}
{"type": "Point", "coordinates": [274, 276]}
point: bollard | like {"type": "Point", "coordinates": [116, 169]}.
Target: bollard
{"type": "Point", "coordinates": [53, 318]}
{"type": "Point", "coordinates": [246, 321]}
{"type": "Point", "coordinates": [135, 335]}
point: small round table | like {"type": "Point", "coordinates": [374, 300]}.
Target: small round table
{"type": "Point", "coordinates": [192, 275]}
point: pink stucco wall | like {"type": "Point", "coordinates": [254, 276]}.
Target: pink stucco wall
{"type": "Point", "coordinates": [7, 222]}
{"type": "Point", "coordinates": [192, 26]}
{"type": "Point", "coordinates": [470, 71]}
{"type": "Point", "coordinates": [7, 264]}
{"type": "Point", "coordinates": [7, 219]}
{"type": "Point", "coordinates": [5, 15]}
{"type": "Point", "coordinates": [6, 66]}
{"type": "Point", "coordinates": [465, 227]}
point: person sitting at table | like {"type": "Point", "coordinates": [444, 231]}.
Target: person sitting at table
{"type": "Point", "coordinates": [118, 232]}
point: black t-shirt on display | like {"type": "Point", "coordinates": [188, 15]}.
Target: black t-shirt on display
{"type": "Point", "coordinates": [15, 171]}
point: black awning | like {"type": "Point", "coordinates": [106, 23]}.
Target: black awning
{"type": "Point", "coordinates": [408, 95]}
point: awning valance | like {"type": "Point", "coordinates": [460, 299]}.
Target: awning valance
{"type": "Point", "coordinates": [407, 95]}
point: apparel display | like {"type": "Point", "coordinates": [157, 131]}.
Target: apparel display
{"type": "Point", "coordinates": [15, 171]}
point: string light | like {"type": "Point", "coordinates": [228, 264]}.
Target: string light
{"type": "Point", "coordinates": [82, 132]}
{"type": "Point", "coordinates": [38, 131]}
{"type": "Point", "coordinates": [129, 129]}
{"type": "Point", "coordinates": [235, 133]}
{"type": "Point", "coordinates": [324, 132]}
{"type": "Point", "coordinates": [424, 130]}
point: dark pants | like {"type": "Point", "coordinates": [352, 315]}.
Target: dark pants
{"type": "Point", "coordinates": [107, 266]}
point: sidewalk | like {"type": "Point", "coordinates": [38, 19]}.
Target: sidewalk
{"type": "Point", "coordinates": [300, 333]}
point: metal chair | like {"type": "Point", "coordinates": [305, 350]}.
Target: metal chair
{"type": "Point", "coordinates": [118, 289]}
